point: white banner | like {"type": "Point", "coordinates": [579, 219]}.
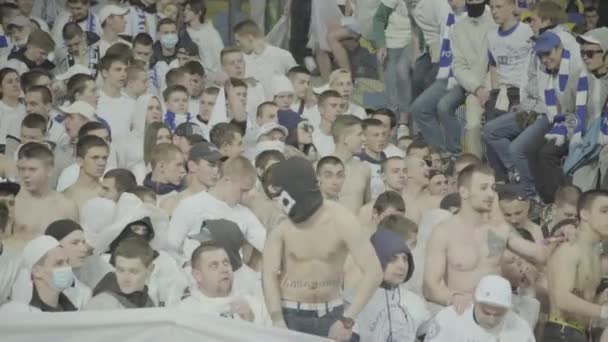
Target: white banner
{"type": "Point", "coordinates": [137, 325]}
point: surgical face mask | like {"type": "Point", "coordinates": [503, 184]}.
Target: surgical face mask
{"type": "Point", "coordinates": [62, 278]}
{"type": "Point", "coordinates": [475, 10]}
{"type": "Point", "coordinates": [168, 40]}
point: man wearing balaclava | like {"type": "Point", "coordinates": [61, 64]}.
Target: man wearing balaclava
{"type": "Point", "coordinates": [393, 313]}
{"type": "Point", "coordinates": [304, 257]}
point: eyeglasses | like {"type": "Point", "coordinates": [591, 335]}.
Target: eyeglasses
{"type": "Point", "coordinates": [590, 53]}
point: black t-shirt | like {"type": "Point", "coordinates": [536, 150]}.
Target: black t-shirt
{"type": "Point", "coordinates": [64, 304]}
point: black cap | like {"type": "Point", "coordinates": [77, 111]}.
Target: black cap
{"type": "Point", "coordinates": [206, 151]}
{"type": "Point", "coordinates": [9, 186]}
{"type": "Point", "coordinates": [187, 47]}
{"type": "Point", "coordinates": [188, 129]}
{"type": "Point", "coordinates": [226, 234]}
{"type": "Point", "coordinates": [510, 192]}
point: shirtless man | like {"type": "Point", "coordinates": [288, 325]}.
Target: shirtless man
{"type": "Point", "coordinates": [304, 257]}
{"type": "Point", "coordinates": [348, 136]}
{"type": "Point", "coordinates": [574, 274]}
{"type": "Point", "coordinates": [394, 173]}
{"type": "Point", "coordinates": [515, 208]}
{"type": "Point", "coordinates": [92, 157]}
{"type": "Point", "coordinates": [416, 186]}
{"type": "Point", "coordinates": [438, 188]}
{"type": "Point", "coordinates": [469, 245]}
{"type": "Point", "coordinates": [330, 173]}
{"type": "Point", "coordinates": [35, 167]}
{"type": "Point", "coordinates": [203, 172]}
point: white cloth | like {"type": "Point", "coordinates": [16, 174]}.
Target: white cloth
{"type": "Point", "coordinates": [192, 211]}
{"type": "Point", "coordinates": [117, 112]}
{"type": "Point", "coordinates": [79, 294]}
{"type": "Point", "coordinates": [209, 44]}
{"type": "Point", "coordinates": [406, 320]}
{"type": "Point", "coordinates": [398, 32]}
{"type": "Point", "coordinates": [322, 12]}
{"type": "Point", "coordinates": [448, 326]}
{"type": "Point", "coordinates": [429, 16]}
{"type": "Point", "coordinates": [104, 46]}
{"type": "Point", "coordinates": [10, 262]}
{"type": "Point", "coordinates": [393, 151]}
{"type": "Point", "coordinates": [510, 52]}
{"type": "Point", "coordinates": [324, 144]}
{"type": "Point", "coordinates": [7, 116]}
{"type": "Point", "coordinates": [272, 61]}
{"type": "Point", "coordinates": [167, 281]}
{"type": "Point", "coordinates": [220, 307]}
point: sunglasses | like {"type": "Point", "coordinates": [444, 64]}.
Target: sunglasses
{"type": "Point", "coordinates": [590, 53]}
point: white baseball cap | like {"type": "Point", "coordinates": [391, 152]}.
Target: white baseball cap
{"type": "Point", "coordinates": [36, 249]}
{"type": "Point", "coordinates": [79, 107]}
{"type": "Point", "coordinates": [269, 127]}
{"type": "Point", "coordinates": [597, 36]}
{"type": "Point", "coordinates": [494, 290]}
{"type": "Point", "coordinates": [281, 85]}
{"type": "Point", "coordinates": [109, 10]}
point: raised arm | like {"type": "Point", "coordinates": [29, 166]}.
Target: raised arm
{"type": "Point", "coordinates": [533, 252]}
{"type": "Point", "coordinates": [271, 273]}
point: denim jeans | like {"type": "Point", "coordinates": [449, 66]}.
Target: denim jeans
{"type": "Point", "coordinates": [397, 80]}
{"type": "Point", "coordinates": [435, 106]}
{"type": "Point", "coordinates": [512, 144]}
{"type": "Point", "coordinates": [309, 322]}
{"type": "Point", "coordinates": [559, 333]}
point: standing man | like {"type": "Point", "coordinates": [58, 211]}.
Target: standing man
{"type": "Point", "coordinates": [300, 79]}
{"type": "Point", "coordinates": [574, 274]}
{"type": "Point", "coordinates": [331, 176]}
{"type": "Point", "coordinates": [330, 107]}
{"type": "Point", "coordinates": [349, 138]}
{"type": "Point", "coordinates": [471, 244]}
{"type": "Point", "coordinates": [304, 257]}
{"type": "Point", "coordinates": [114, 106]}
{"type": "Point", "coordinates": [373, 153]}
{"type": "Point", "coordinates": [78, 11]}
{"type": "Point", "coordinates": [113, 22]}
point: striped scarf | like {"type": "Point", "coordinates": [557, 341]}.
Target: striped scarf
{"type": "Point", "coordinates": [559, 130]}
{"type": "Point", "coordinates": [170, 120]}
{"type": "Point", "coordinates": [445, 56]}
{"type": "Point", "coordinates": [582, 91]}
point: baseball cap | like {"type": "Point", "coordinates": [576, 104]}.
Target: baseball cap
{"type": "Point", "coordinates": [187, 129]}
{"type": "Point", "coordinates": [36, 249]}
{"type": "Point", "coordinates": [281, 85]}
{"type": "Point", "coordinates": [494, 290]}
{"type": "Point", "coordinates": [597, 36]}
{"type": "Point", "coordinates": [546, 42]}
{"type": "Point", "coordinates": [9, 186]}
{"type": "Point", "coordinates": [109, 10]}
{"type": "Point", "coordinates": [224, 233]}
{"type": "Point", "coordinates": [79, 107]}
{"type": "Point", "coordinates": [206, 151]}
{"type": "Point", "coordinates": [320, 89]}
{"type": "Point", "coordinates": [269, 127]}
{"type": "Point", "coordinates": [19, 20]}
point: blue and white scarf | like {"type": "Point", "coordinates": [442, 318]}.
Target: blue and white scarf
{"type": "Point", "coordinates": [142, 21]}
{"type": "Point", "coordinates": [445, 55]}
{"type": "Point", "coordinates": [582, 91]}
{"type": "Point", "coordinates": [170, 120]}
{"type": "Point", "coordinates": [559, 130]}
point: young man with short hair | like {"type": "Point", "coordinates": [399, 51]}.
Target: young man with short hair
{"type": "Point", "coordinates": [114, 106]}
{"type": "Point", "coordinates": [196, 74]}
{"type": "Point", "coordinates": [203, 34]}
{"type": "Point", "coordinates": [18, 29]}
{"type": "Point", "coordinates": [330, 107]}
{"type": "Point", "coordinates": [204, 161]}
{"type": "Point", "coordinates": [233, 65]}
{"type": "Point", "coordinates": [125, 288]}
{"type": "Point", "coordinates": [81, 49]}
{"type": "Point", "coordinates": [223, 200]}
{"type": "Point", "coordinates": [176, 102]}
{"type": "Point", "coordinates": [113, 23]}
{"type": "Point", "coordinates": [168, 170]}
{"type": "Point", "coordinates": [116, 182]}
{"type": "Point", "coordinates": [205, 110]}
{"type": "Point", "coordinates": [389, 122]}
{"type": "Point", "coordinates": [33, 129]}
{"type": "Point", "coordinates": [142, 50]}
{"type": "Point", "coordinates": [387, 203]}
{"type": "Point", "coordinates": [348, 136]}
{"type": "Point", "coordinates": [187, 135]}
{"type": "Point", "coordinates": [564, 207]}
{"type": "Point", "coordinates": [341, 81]}
{"type": "Point", "coordinates": [228, 138]}
{"type": "Point", "coordinates": [515, 208]}
{"type": "Point", "coordinates": [78, 11]}
{"type": "Point", "coordinates": [372, 154]}
{"type": "Point", "coordinates": [331, 176]}
{"type": "Point", "coordinates": [137, 82]}
{"type": "Point", "coordinates": [92, 156]}
{"type": "Point", "coordinates": [35, 167]}
{"type": "Point", "coordinates": [300, 78]}
{"type": "Point", "coordinates": [262, 60]}
{"type": "Point", "coordinates": [34, 54]}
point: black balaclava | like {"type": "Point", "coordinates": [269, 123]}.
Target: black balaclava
{"type": "Point", "coordinates": [475, 10]}
{"type": "Point", "coordinates": [295, 188]}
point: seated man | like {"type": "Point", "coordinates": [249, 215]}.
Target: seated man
{"type": "Point", "coordinates": [393, 313]}
{"type": "Point", "coordinates": [330, 174]}
{"type": "Point", "coordinates": [373, 153]}
{"type": "Point", "coordinates": [489, 318]}
{"type": "Point", "coordinates": [46, 273]}
{"type": "Point", "coordinates": [80, 49]}
{"type": "Point", "coordinates": [115, 182]}
{"type": "Point", "coordinates": [168, 170]}
{"type": "Point", "coordinates": [515, 209]}
{"type": "Point", "coordinates": [388, 203]}
{"type": "Point", "coordinates": [214, 293]}
{"type": "Point", "coordinates": [564, 207]}
{"type": "Point", "coordinates": [228, 138]}
{"type": "Point", "coordinates": [34, 54]}
{"type": "Point", "coordinates": [438, 188]}
{"type": "Point", "coordinates": [126, 287]}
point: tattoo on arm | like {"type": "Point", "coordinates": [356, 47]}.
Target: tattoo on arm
{"type": "Point", "coordinates": [496, 244]}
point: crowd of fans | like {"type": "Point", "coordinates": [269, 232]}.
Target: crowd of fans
{"type": "Point", "coordinates": [239, 164]}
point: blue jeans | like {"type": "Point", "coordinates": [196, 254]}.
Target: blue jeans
{"type": "Point", "coordinates": [438, 105]}
{"type": "Point", "coordinates": [511, 144]}
{"type": "Point", "coordinates": [397, 80]}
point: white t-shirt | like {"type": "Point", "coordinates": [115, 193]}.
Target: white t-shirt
{"type": "Point", "coordinates": [10, 263]}
{"type": "Point", "coordinates": [272, 61]}
{"type": "Point", "coordinates": [393, 151]}
{"type": "Point", "coordinates": [429, 15]}
{"type": "Point", "coordinates": [7, 116]}
{"type": "Point", "coordinates": [190, 213]}
{"type": "Point", "coordinates": [398, 32]}
{"type": "Point", "coordinates": [510, 52]}
{"type": "Point", "coordinates": [104, 46]}
{"type": "Point", "coordinates": [356, 110]}
{"type": "Point", "coordinates": [209, 44]}
{"type": "Point", "coordinates": [448, 326]}
{"type": "Point", "coordinates": [117, 112]}
{"type": "Point", "coordinates": [324, 144]}
{"type": "Point", "coordinates": [407, 318]}
{"type": "Point", "coordinates": [314, 115]}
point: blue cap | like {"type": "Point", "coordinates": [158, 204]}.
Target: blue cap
{"type": "Point", "coordinates": [546, 42]}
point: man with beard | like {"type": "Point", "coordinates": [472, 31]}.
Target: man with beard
{"type": "Point", "coordinates": [471, 244]}
{"type": "Point", "coordinates": [304, 257]}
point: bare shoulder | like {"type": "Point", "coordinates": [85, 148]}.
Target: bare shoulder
{"type": "Point", "coordinates": [342, 218]}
